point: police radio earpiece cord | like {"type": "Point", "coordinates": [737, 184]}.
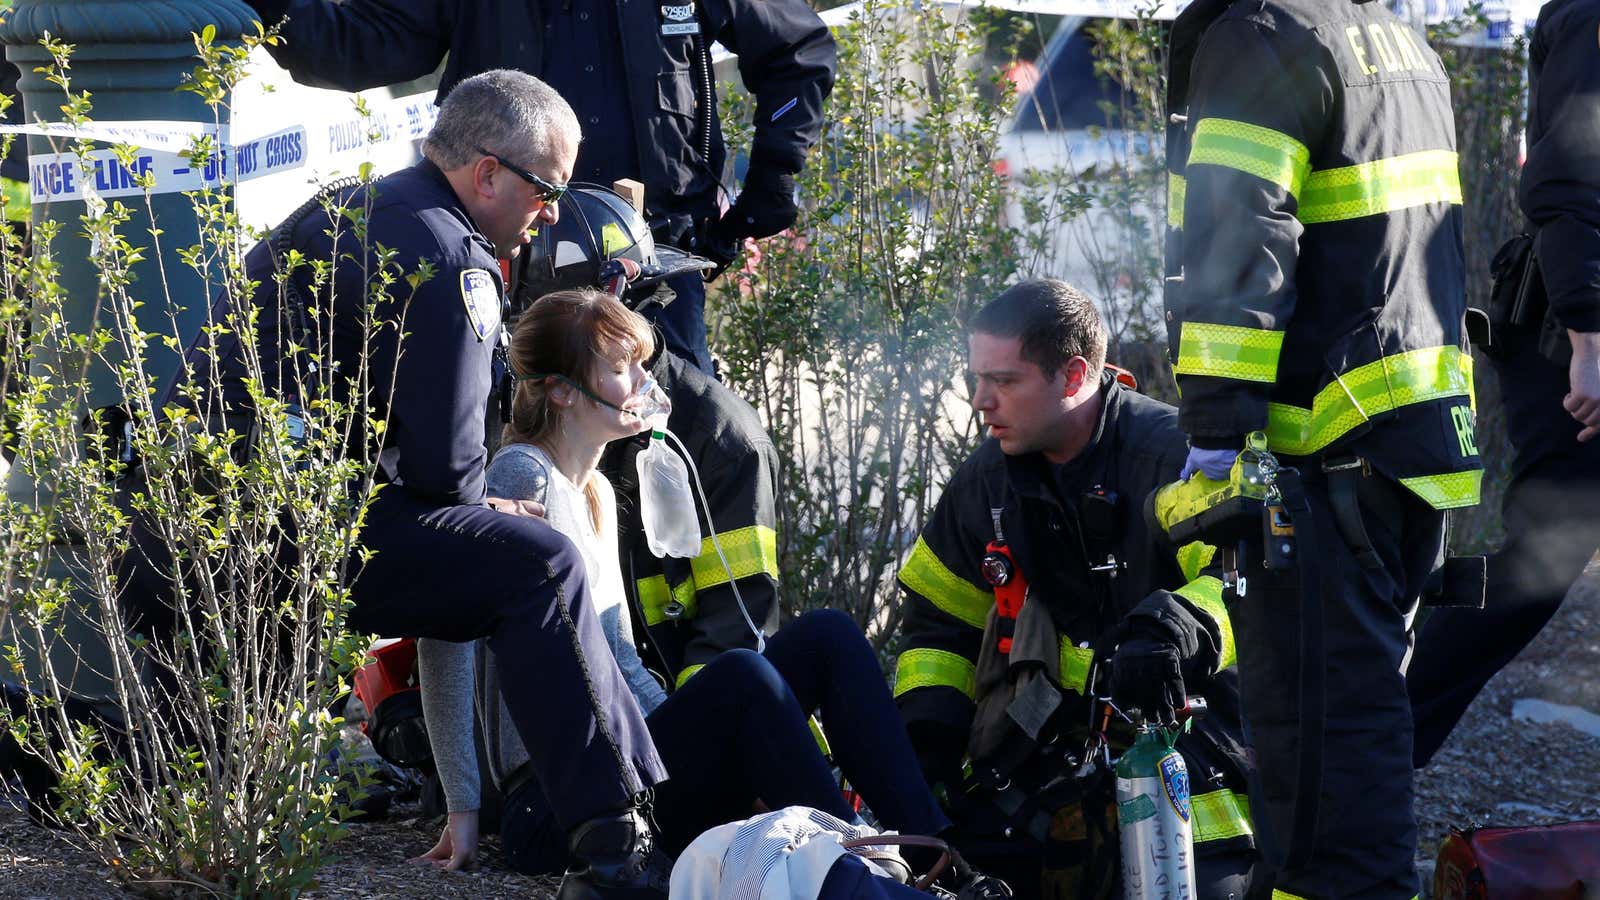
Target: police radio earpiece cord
{"type": "Point", "coordinates": [694, 473]}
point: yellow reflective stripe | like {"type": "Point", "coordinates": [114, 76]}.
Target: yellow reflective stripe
{"type": "Point", "coordinates": [1269, 155]}
{"type": "Point", "coordinates": [19, 203]}
{"type": "Point", "coordinates": [934, 668]}
{"type": "Point", "coordinates": [1075, 662]}
{"type": "Point", "coordinates": [1177, 192]}
{"type": "Point", "coordinates": [1416, 376]}
{"type": "Point", "coordinates": [1194, 557]}
{"type": "Point", "coordinates": [1228, 351]}
{"type": "Point", "coordinates": [750, 551]}
{"type": "Point", "coordinates": [688, 673]}
{"type": "Point", "coordinates": [820, 737]}
{"type": "Point", "coordinates": [1219, 815]}
{"type": "Point", "coordinates": [655, 596]}
{"type": "Point", "coordinates": [613, 240]}
{"type": "Point", "coordinates": [1381, 186]}
{"type": "Point", "coordinates": [928, 576]}
{"type": "Point", "coordinates": [1472, 382]}
{"type": "Point", "coordinates": [1453, 490]}
{"type": "Point", "coordinates": [1205, 592]}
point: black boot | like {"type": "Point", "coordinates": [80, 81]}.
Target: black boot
{"type": "Point", "coordinates": [970, 884]}
{"type": "Point", "coordinates": [616, 859]}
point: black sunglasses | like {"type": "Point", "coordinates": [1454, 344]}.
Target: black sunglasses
{"type": "Point", "coordinates": [549, 193]}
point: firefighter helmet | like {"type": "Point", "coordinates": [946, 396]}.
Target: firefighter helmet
{"type": "Point", "coordinates": [596, 226]}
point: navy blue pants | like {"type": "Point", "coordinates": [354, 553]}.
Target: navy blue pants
{"type": "Point", "coordinates": [1552, 531]}
{"type": "Point", "coordinates": [459, 573]}
{"type": "Point", "coordinates": [736, 733]}
{"type": "Point", "coordinates": [1366, 835]}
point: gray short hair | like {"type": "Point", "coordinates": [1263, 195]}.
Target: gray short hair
{"type": "Point", "coordinates": [503, 110]}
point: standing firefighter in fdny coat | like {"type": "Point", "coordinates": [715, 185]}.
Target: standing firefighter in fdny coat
{"type": "Point", "coordinates": [1316, 294]}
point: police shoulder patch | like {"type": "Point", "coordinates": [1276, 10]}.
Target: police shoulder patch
{"type": "Point", "coordinates": [482, 300]}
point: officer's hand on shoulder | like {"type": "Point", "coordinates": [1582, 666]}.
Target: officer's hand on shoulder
{"type": "Point", "coordinates": [765, 207]}
{"type": "Point", "coordinates": [532, 509]}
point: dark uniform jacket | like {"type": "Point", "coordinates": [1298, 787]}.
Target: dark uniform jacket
{"type": "Point", "coordinates": [786, 59]}
{"type": "Point", "coordinates": [686, 606]}
{"type": "Point", "coordinates": [1316, 284]}
{"type": "Point", "coordinates": [433, 400]}
{"type": "Point", "coordinates": [1561, 179]}
{"type": "Point", "coordinates": [1056, 536]}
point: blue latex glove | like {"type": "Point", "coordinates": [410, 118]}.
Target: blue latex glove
{"type": "Point", "coordinates": [1213, 464]}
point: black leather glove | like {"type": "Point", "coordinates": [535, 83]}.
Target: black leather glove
{"type": "Point", "coordinates": [970, 884]}
{"type": "Point", "coordinates": [765, 207]}
{"type": "Point", "coordinates": [1146, 670]}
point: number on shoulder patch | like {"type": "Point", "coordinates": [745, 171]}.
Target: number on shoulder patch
{"type": "Point", "coordinates": [482, 300]}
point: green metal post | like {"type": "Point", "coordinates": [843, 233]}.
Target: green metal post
{"type": "Point", "coordinates": [131, 56]}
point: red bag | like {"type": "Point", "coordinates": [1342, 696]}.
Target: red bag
{"type": "Point", "coordinates": [389, 688]}
{"type": "Point", "coordinates": [1550, 862]}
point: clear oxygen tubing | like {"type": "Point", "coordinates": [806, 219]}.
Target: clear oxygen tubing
{"type": "Point", "coordinates": [694, 472]}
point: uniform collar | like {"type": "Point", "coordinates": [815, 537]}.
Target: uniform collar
{"type": "Point", "coordinates": [1032, 475]}
{"type": "Point", "coordinates": [433, 176]}
{"type": "Point", "coordinates": [431, 173]}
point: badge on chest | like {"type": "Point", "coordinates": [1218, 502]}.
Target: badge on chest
{"type": "Point", "coordinates": [679, 20]}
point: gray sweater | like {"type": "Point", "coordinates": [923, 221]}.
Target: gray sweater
{"type": "Point", "coordinates": [458, 677]}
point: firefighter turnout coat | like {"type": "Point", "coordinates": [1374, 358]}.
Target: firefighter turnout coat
{"type": "Point", "coordinates": [1316, 288]}
{"type": "Point", "coordinates": [1060, 524]}
{"type": "Point", "coordinates": [686, 607]}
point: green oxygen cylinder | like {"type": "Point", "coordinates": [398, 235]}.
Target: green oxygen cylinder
{"type": "Point", "coordinates": [1154, 818]}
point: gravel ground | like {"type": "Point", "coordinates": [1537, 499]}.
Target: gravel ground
{"type": "Point", "coordinates": [1495, 770]}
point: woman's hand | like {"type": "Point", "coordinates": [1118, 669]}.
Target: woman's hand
{"type": "Point", "coordinates": [457, 849]}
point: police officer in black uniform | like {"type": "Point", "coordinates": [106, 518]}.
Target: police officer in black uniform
{"type": "Point", "coordinates": [449, 561]}
{"type": "Point", "coordinates": [1552, 403]}
{"type": "Point", "coordinates": [639, 75]}
{"type": "Point", "coordinates": [1316, 294]}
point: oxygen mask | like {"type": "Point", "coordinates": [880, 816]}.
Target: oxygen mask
{"type": "Point", "coordinates": [649, 404]}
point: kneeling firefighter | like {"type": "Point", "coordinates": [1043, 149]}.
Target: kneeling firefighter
{"type": "Point", "coordinates": [1034, 575]}
{"type": "Point", "coordinates": [1315, 307]}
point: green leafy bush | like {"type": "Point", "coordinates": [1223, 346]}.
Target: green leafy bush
{"type": "Point", "coordinates": [210, 767]}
